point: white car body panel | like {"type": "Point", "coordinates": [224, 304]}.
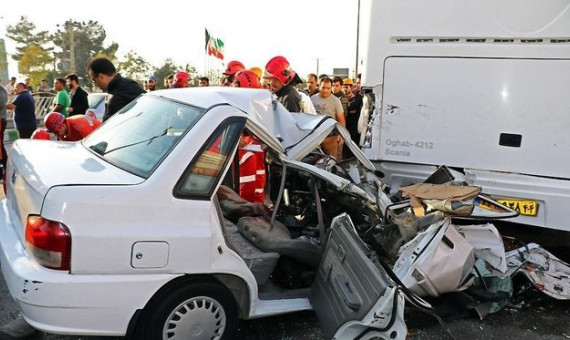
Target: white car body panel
{"type": "Point", "coordinates": [116, 218]}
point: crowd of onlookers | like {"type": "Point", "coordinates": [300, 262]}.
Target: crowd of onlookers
{"type": "Point", "coordinates": [337, 97]}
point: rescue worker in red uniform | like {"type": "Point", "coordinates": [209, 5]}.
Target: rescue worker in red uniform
{"type": "Point", "coordinates": [70, 129]}
{"type": "Point", "coordinates": [181, 79]}
{"type": "Point", "coordinates": [233, 68]}
{"type": "Point", "coordinates": [252, 176]}
{"type": "Point", "coordinates": [41, 134]}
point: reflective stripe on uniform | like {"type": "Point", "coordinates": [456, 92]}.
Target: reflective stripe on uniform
{"type": "Point", "coordinates": [245, 157]}
{"type": "Point", "coordinates": [247, 179]}
{"type": "Point", "coordinates": [89, 120]}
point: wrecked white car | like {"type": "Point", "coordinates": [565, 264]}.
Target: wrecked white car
{"type": "Point", "coordinates": [138, 230]}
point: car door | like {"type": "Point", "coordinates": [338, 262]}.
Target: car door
{"type": "Point", "coordinates": [352, 295]}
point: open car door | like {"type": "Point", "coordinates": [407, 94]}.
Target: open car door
{"type": "Point", "coordinates": [352, 295]}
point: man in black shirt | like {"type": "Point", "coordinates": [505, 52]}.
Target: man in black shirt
{"type": "Point", "coordinates": [123, 90]}
{"type": "Point", "coordinates": [79, 103]}
{"type": "Point", "coordinates": [281, 75]}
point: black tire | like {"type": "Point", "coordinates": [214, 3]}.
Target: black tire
{"type": "Point", "coordinates": [190, 310]}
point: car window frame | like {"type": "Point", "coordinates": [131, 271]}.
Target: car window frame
{"type": "Point", "coordinates": [177, 190]}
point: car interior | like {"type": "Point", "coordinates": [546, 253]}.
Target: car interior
{"type": "Point", "coordinates": [281, 240]}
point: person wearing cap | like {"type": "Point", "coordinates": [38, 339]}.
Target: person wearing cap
{"type": "Point", "coordinates": [233, 67]}
{"type": "Point", "coordinates": [123, 90]}
{"type": "Point", "coordinates": [151, 84]}
{"type": "Point", "coordinates": [79, 103]}
{"type": "Point", "coordinates": [181, 79]}
{"type": "Point", "coordinates": [258, 72]}
{"type": "Point", "coordinates": [70, 129]}
{"type": "Point", "coordinates": [41, 134]}
{"type": "Point", "coordinates": [281, 75]}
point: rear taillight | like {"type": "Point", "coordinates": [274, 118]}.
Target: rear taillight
{"type": "Point", "coordinates": [49, 242]}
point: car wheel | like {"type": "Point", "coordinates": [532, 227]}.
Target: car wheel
{"type": "Point", "coordinates": [193, 310]}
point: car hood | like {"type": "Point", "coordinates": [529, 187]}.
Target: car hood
{"type": "Point", "coordinates": [41, 163]}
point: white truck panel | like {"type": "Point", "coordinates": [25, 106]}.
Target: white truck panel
{"type": "Point", "coordinates": [453, 111]}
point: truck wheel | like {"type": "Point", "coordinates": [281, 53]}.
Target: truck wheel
{"type": "Point", "coordinates": [197, 310]}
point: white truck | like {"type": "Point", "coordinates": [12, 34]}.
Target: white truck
{"type": "Point", "coordinates": [480, 86]}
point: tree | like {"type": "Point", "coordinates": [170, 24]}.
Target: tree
{"type": "Point", "coordinates": [35, 62]}
{"type": "Point", "coordinates": [191, 69]}
{"type": "Point", "coordinates": [134, 66]}
{"type": "Point", "coordinates": [164, 71]}
{"type": "Point", "coordinates": [24, 36]}
{"type": "Point", "coordinates": [78, 43]}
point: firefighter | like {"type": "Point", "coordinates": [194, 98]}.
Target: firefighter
{"type": "Point", "coordinates": [41, 133]}
{"type": "Point", "coordinates": [70, 129]}
{"type": "Point", "coordinates": [180, 80]}
{"type": "Point", "coordinates": [252, 176]}
{"type": "Point", "coordinates": [233, 67]}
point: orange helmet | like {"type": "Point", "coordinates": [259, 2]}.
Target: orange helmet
{"type": "Point", "coordinates": [247, 78]}
{"type": "Point", "coordinates": [180, 79]}
{"type": "Point", "coordinates": [53, 121]}
{"type": "Point", "coordinates": [257, 71]}
{"type": "Point", "coordinates": [41, 134]}
{"type": "Point", "coordinates": [234, 66]}
{"type": "Point", "coordinates": [278, 67]}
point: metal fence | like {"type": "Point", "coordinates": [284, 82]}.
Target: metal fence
{"type": "Point", "coordinates": [43, 104]}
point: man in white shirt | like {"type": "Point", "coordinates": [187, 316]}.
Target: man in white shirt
{"type": "Point", "coordinates": [11, 86]}
{"type": "Point", "coordinates": [326, 103]}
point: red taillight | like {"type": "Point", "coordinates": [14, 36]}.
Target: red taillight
{"type": "Point", "coordinates": [49, 242]}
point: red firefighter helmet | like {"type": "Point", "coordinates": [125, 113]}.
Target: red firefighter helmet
{"type": "Point", "coordinates": [180, 79]}
{"type": "Point", "coordinates": [278, 67]}
{"type": "Point", "coordinates": [41, 134]}
{"type": "Point", "coordinates": [234, 66]}
{"type": "Point", "coordinates": [247, 78]}
{"type": "Point", "coordinates": [53, 121]}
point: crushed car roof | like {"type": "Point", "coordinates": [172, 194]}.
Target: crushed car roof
{"type": "Point", "coordinates": [259, 104]}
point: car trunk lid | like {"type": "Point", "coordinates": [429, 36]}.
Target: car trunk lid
{"type": "Point", "coordinates": [36, 166]}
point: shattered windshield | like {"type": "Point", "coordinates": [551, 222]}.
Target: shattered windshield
{"type": "Point", "coordinates": [138, 137]}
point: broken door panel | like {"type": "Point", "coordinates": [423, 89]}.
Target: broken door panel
{"type": "Point", "coordinates": [438, 260]}
{"type": "Point", "coordinates": [352, 295]}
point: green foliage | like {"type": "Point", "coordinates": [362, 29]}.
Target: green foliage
{"type": "Point", "coordinates": [76, 43]}
{"type": "Point", "coordinates": [24, 36]}
{"type": "Point", "coordinates": [35, 62]}
{"type": "Point", "coordinates": [87, 40]}
{"type": "Point", "coordinates": [134, 66]}
{"type": "Point", "coordinates": [164, 71]}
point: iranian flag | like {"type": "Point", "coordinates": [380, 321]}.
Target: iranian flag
{"type": "Point", "coordinates": [214, 46]}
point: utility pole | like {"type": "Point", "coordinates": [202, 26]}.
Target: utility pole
{"type": "Point", "coordinates": [317, 67]}
{"type": "Point", "coordinates": [69, 36]}
{"type": "Point", "coordinates": [72, 48]}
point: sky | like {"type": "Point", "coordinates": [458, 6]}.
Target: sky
{"type": "Point", "coordinates": [307, 32]}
